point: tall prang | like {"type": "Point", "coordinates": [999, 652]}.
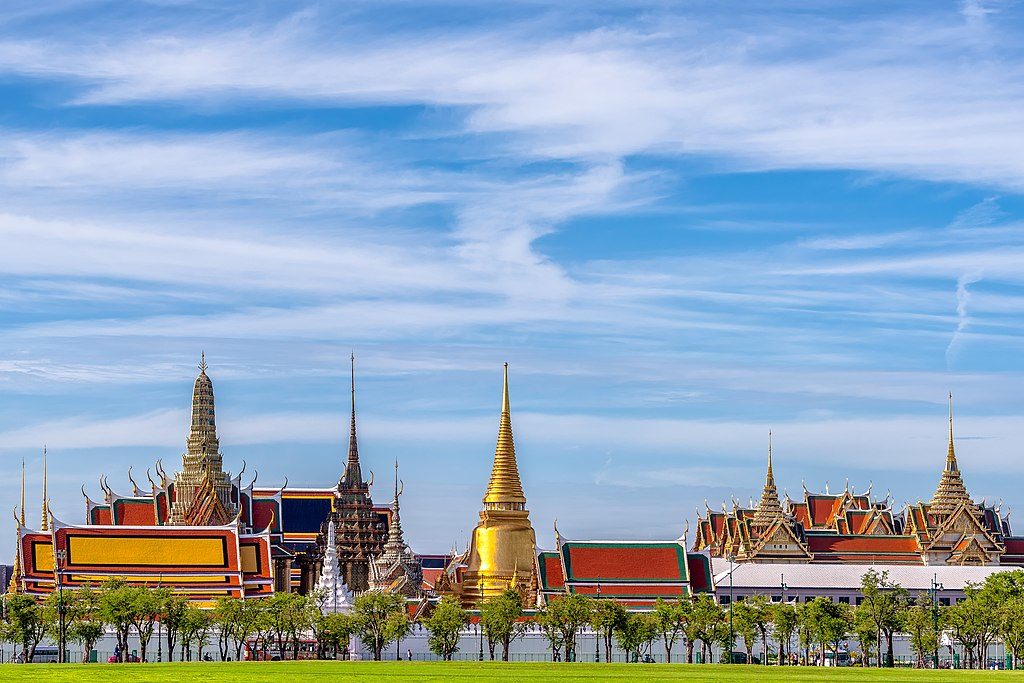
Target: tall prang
{"type": "Point", "coordinates": [951, 492]}
{"type": "Point", "coordinates": [358, 529]}
{"type": "Point", "coordinates": [503, 548]}
{"type": "Point", "coordinates": [397, 569]}
{"type": "Point", "coordinates": [336, 596]}
{"type": "Point", "coordinates": [202, 489]}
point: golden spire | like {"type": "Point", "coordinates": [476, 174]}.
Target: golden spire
{"type": "Point", "coordinates": [46, 522]}
{"type": "Point", "coordinates": [505, 491]}
{"type": "Point", "coordinates": [950, 453]}
{"type": "Point", "coordinates": [14, 585]}
{"type": "Point", "coordinates": [22, 519]}
{"type": "Point", "coordinates": [202, 437]}
{"type": "Point", "coordinates": [951, 492]}
{"type": "Point", "coordinates": [769, 509]}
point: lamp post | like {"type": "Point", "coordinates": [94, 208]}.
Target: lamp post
{"type": "Point", "coordinates": [732, 635]}
{"type": "Point", "coordinates": [59, 556]}
{"type": "Point", "coordinates": [159, 624]}
{"type": "Point", "coordinates": [936, 587]}
{"type": "Point", "coordinates": [480, 629]}
{"type": "Point", "coordinates": [782, 584]}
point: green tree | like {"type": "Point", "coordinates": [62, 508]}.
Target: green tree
{"type": "Point", "coordinates": [964, 624]}
{"type": "Point", "coordinates": [784, 623]}
{"type": "Point", "coordinates": [831, 623]}
{"type": "Point", "coordinates": [744, 622]}
{"type": "Point", "coordinates": [606, 616]}
{"type": "Point", "coordinates": [445, 625]}
{"type": "Point", "coordinates": [708, 619]}
{"type": "Point", "coordinates": [636, 633]}
{"type": "Point", "coordinates": [335, 632]}
{"type": "Point", "coordinates": [919, 623]}
{"type": "Point", "coordinates": [761, 613]}
{"type": "Point", "coordinates": [172, 616]}
{"type": "Point", "coordinates": [500, 618]}
{"type": "Point", "coordinates": [380, 619]}
{"type": "Point", "coordinates": [195, 631]}
{"type": "Point", "coordinates": [567, 615]}
{"type": "Point", "coordinates": [85, 625]}
{"type": "Point", "coordinates": [867, 634]}
{"type": "Point", "coordinates": [670, 619]}
{"type": "Point", "coordinates": [884, 601]}
{"type": "Point", "coordinates": [26, 622]}
{"type": "Point", "coordinates": [1011, 627]}
{"type": "Point", "coordinates": [146, 607]}
{"type": "Point", "coordinates": [226, 614]}
{"type": "Point", "coordinates": [805, 632]}
{"type": "Point", "coordinates": [117, 608]}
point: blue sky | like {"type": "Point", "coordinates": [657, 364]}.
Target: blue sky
{"type": "Point", "coordinates": [682, 224]}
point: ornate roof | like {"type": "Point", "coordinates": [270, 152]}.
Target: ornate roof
{"type": "Point", "coordinates": [951, 492]}
{"type": "Point", "coordinates": [769, 509]}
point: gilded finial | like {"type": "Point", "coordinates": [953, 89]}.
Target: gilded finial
{"type": "Point", "coordinates": [505, 490]}
{"type": "Point", "coordinates": [202, 362]}
{"type": "Point", "coordinates": [22, 519]}
{"type": "Point", "coordinates": [45, 526]}
{"type": "Point", "coordinates": [950, 453]}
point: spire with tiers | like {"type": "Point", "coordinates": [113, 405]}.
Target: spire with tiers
{"type": "Point", "coordinates": [202, 489]}
{"type": "Point", "coordinates": [503, 544]}
{"type": "Point", "coordinates": [505, 490]}
{"type": "Point", "coordinates": [397, 569]}
{"type": "Point", "coordinates": [44, 525]}
{"type": "Point", "coordinates": [951, 492]}
{"type": "Point", "coordinates": [355, 520]}
{"type": "Point", "coordinates": [331, 586]}
{"type": "Point", "coordinates": [353, 475]}
{"type": "Point", "coordinates": [769, 509]}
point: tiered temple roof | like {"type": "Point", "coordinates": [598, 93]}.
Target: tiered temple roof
{"type": "Point", "coordinates": [397, 569]}
{"type": "Point", "coordinates": [633, 573]}
{"type": "Point", "coordinates": [856, 528]}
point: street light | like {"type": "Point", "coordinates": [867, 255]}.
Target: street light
{"type": "Point", "coordinates": [159, 624]}
{"type": "Point", "coordinates": [782, 584]}
{"type": "Point", "coordinates": [60, 555]}
{"type": "Point", "coordinates": [936, 587]}
{"type": "Point", "coordinates": [732, 635]}
{"type": "Point", "coordinates": [597, 638]}
{"type": "Point", "coordinates": [480, 629]}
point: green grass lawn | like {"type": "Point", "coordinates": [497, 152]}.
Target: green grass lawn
{"type": "Point", "coordinates": [244, 672]}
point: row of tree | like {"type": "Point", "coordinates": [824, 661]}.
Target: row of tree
{"type": "Point", "coordinates": [278, 626]}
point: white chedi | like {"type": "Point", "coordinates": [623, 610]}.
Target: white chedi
{"type": "Point", "coordinates": [331, 587]}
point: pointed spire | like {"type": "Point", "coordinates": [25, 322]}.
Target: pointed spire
{"type": "Point", "coordinates": [769, 508]}
{"type": "Point", "coordinates": [505, 490]}
{"type": "Point", "coordinates": [22, 518]}
{"type": "Point", "coordinates": [951, 492]}
{"type": "Point", "coordinates": [202, 437]}
{"type": "Point", "coordinates": [14, 585]}
{"type": "Point", "coordinates": [950, 453]}
{"type": "Point", "coordinates": [45, 526]}
{"type": "Point", "coordinates": [353, 475]}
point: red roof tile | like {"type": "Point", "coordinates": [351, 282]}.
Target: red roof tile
{"type": "Point", "coordinates": [625, 561]}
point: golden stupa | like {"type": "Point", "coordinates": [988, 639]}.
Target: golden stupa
{"type": "Point", "coordinates": [503, 549]}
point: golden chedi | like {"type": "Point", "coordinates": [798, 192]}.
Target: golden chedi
{"type": "Point", "coordinates": [502, 551]}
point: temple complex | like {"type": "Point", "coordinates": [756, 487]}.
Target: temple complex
{"type": "Point", "coordinates": [206, 533]}
{"type": "Point", "coordinates": [502, 551]}
{"type": "Point", "coordinates": [852, 528]}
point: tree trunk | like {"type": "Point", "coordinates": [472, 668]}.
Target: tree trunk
{"type": "Point", "coordinates": [782, 662]}
{"type": "Point", "coordinates": [689, 651]}
{"type": "Point", "coordinates": [608, 646]}
{"type": "Point", "coordinates": [668, 650]}
{"type": "Point", "coordinates": [889, 660]}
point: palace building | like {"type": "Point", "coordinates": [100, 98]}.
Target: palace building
{"type": "Point", "coordinates": [205, 533]}
{"type": "Point", "coordinates": [852, 528]}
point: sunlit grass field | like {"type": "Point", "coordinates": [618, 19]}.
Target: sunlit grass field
{"type": "Point", "coordinates": [243, 672]}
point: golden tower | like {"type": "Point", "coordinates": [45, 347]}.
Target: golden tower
{"type": "Point", "coordinates": [769, 509]}
{"type": "Point", "coordinates": [503, 548]}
